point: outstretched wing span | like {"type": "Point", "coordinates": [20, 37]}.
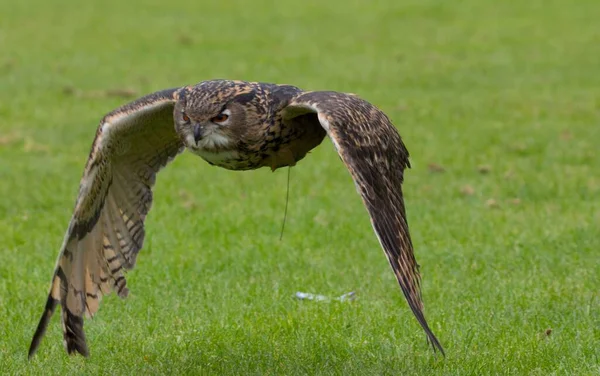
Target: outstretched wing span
{"type": "Point", "coordinates": [107, 228]}
{"type": "Point", "coordinates": [372, 150]}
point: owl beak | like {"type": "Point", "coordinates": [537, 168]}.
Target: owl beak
{"type": "Point", "coordinates": [198, 132]}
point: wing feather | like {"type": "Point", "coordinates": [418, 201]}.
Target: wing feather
{"type": "Point", "coordinates": [373, 151]}
{"type": "Point", "coordinates": [106, 231]}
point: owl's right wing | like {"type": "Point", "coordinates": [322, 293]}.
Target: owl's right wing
{"type": "Point", "coordinates": [373, 152]}
{"type": "Point", "coordinates": [107, 228]}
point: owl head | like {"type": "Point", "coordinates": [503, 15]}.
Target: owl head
{"type": "Point", "coordinates": [213, 116]}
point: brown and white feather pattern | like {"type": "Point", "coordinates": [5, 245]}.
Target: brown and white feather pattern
{"type": "Point", "coordinates": [267, 125]}
{"type": "Point", "coordinates": [373, 151]}
{"type": "Point", "coordinates": [107, 228]}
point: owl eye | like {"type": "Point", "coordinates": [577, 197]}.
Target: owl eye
{"type": "Point", "coordinates": [222, 117]}
{"type": "Point", "coordinates": [185, 118]}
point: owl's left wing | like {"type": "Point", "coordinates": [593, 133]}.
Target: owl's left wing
{"type": "Point", "coordinates": [372, 150]}
{"type": "Point", "coordinates": [106, 231]}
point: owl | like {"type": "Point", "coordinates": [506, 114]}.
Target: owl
{"type": "Point", "coordinates": [236, 125]}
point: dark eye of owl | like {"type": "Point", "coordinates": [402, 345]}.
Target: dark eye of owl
{"type": "Point", "coordinates": [220, 118]}
{"type": "Point", "coordinates": [185, 118]}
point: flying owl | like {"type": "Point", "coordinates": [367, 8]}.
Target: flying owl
{"type": "Point", "coordinates": [236, 125]}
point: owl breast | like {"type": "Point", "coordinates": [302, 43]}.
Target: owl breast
{"type": "Point", "coordinates": [230, 159]}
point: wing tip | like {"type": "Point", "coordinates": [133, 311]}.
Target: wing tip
{"type": "Point", "coordinates": [431, 338]}
{"type": "Point", "coordinates": [42, 325]}
{"type": "Point", "coordinates": [73, 334]}
{"type": "Point", "coordinates": [416, 307]}
{"type": "Point", "coordinates": [435, 344]}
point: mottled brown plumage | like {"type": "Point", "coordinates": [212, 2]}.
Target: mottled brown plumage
{"type": "Point", "coordinates": [235, 125]}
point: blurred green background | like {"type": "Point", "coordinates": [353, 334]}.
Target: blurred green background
{"type": "Point", "coordinates": [498, 103]}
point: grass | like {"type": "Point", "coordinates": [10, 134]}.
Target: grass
{"type": "Point", "coordinates": [507, 250]}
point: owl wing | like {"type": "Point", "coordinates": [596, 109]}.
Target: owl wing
{"type": "Point", "coordinates": [372, 150]}
{"type": "Point", "coordinates": [107, 228]}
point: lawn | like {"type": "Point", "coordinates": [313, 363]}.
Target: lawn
{"type": "Point", "coordinates": [498, 103]}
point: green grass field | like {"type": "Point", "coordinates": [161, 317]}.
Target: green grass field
{"type": "Point", "coordinates": [504, 97]}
